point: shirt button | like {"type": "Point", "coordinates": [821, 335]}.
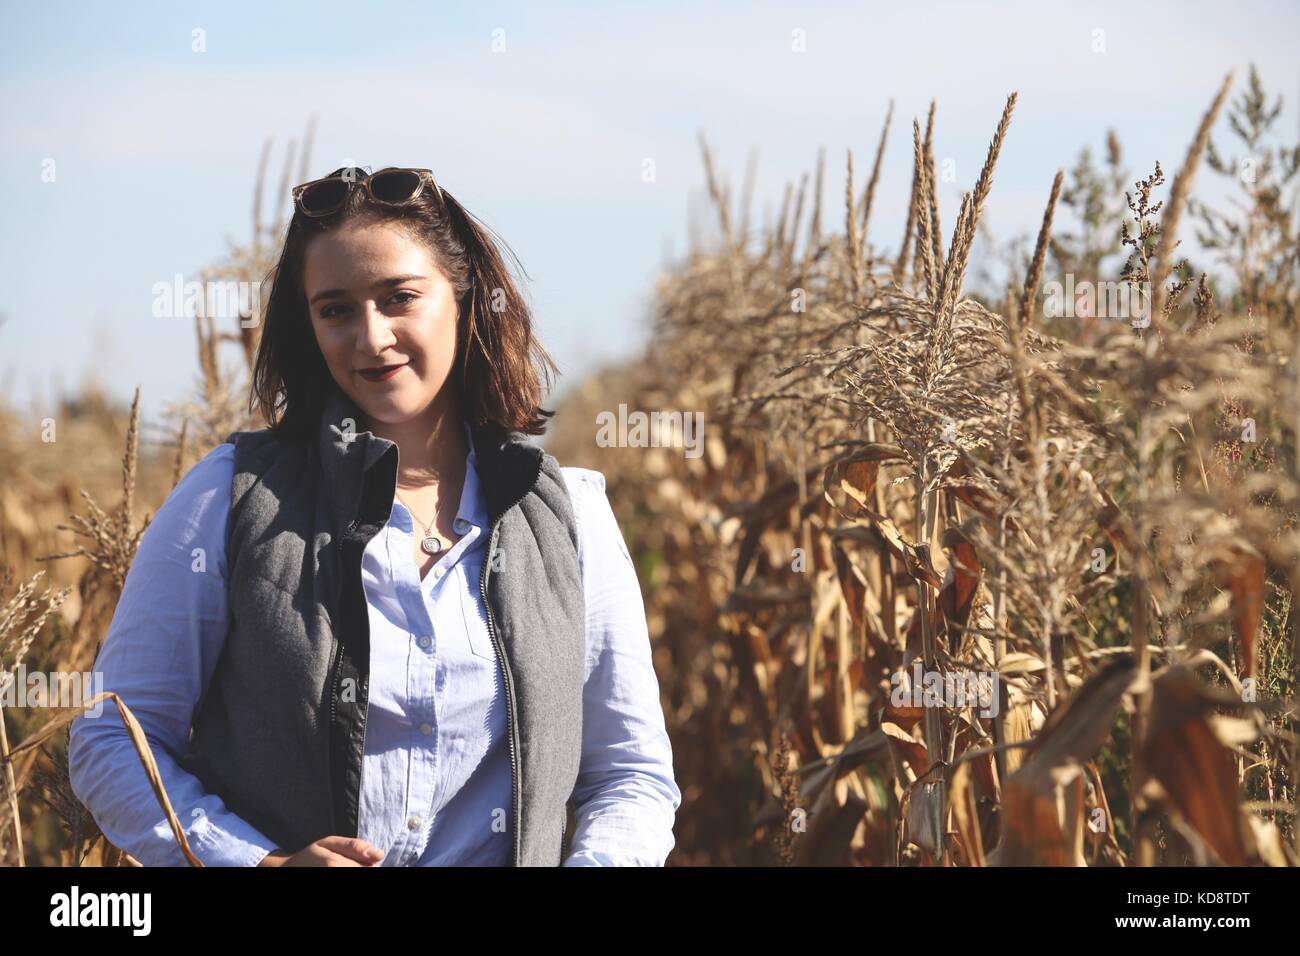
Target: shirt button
{"type": "Point", "coordinates": [413, 823]}
{"type": "Point", "coordinates": [439, 571]}
{"type": "Point", "coordinates": [426, 729]}
{"type": "Point", "coordinates": [462, 524]}
{"type": "Point", "coordinates": [424, 643]}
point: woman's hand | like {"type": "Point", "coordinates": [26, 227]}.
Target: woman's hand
{"type": "Point", "coordinates": [328, 851]}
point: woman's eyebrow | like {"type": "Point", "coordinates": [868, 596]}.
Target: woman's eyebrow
{"type": "Point", "coordinates": [382, 283]}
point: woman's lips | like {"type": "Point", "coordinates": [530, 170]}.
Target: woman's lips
{"type": "Point", "coordinates": [382, 374]}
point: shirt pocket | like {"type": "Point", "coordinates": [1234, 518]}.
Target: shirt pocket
{"type": "Point", "coordinates": [473, 613]}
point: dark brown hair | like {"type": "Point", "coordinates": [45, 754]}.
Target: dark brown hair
{"type": "Point", "coordinates": [497, 357]}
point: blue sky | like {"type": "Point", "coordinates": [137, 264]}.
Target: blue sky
{"type": "Point", "coordinates": [156, 146]}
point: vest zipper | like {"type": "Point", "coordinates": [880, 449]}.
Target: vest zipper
{"type": "Point", "coordinates": [336, 669]}
{"type": "Point", "coordinates": [336, 672]}
{"type": "Point", "coordinates": [516, 793]}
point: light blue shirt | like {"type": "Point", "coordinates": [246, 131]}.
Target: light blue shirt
{"type": "Point", "coordinates": [436, 765]}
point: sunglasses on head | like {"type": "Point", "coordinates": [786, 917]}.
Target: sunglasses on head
{"type": "Point", "coordinates": [391, 186]}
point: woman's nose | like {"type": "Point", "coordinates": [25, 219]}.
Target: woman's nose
{"type": "Point", "coordinates": [375, 332]}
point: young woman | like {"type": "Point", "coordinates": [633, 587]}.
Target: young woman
{"type": "Point", "coordinates": [386, 630]}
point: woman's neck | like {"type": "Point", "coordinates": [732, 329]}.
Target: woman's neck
{"type": "Point", "coordinates": [431, 448]}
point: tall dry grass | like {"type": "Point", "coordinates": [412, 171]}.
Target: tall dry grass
{"type": "Point", "coordinates": [899, 470]}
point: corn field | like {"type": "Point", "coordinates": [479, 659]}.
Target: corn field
{"type": "Point", "coordinates": [961, 577]}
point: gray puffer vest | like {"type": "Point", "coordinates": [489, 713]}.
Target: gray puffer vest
{"type": "Point", "coordinates": [281, 730]}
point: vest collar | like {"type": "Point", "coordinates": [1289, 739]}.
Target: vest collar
{"type": "Point", "coordinates": [508, 465]}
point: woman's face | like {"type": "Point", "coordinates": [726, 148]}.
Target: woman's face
{"type": "Point", "coordinates": [377, 298]}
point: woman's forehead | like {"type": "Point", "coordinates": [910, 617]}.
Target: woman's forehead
{"type": "Point", "coordinates": [359, 255]}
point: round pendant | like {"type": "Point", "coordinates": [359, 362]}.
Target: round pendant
{"type": "Point", "coordinates": [431, 544]}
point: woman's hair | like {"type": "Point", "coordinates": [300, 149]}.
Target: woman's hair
{"type": "Point", "coordinates": [494, 370]}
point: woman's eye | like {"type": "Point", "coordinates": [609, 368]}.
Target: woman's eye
{"type": "Point", "coordinates": [339, 310]}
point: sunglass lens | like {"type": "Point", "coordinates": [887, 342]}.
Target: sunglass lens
{"type": "Point", "coordinates": [394, 185]}
{"type": "Point", "coordinates": [324, 196]}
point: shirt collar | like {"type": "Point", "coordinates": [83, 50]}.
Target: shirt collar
{"type": "Point", "coordinates": [472, 507]}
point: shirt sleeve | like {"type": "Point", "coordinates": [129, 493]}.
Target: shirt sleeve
{"type": "Point", "coordinates": [159, 655]}
{"type": "Point", "coordinates": [625, 798]}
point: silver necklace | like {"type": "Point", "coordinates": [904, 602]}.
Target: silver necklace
{"type": "Point", "coordinates": [432, 543]}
